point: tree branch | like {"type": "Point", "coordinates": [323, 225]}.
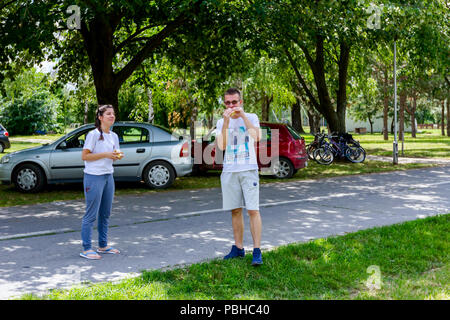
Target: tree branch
{"type": "Point", "coordinates": [131, 37]}
{"type": "Point", "coordinates": [152, 44]}
{"type": "Point", "coordinates": [343, 71]}
{"type": "Point", "coordinates": [301, 80]}
{"type": "Point", "coordinates": [7, 4]}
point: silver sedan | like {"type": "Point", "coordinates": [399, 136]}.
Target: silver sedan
{"type": "Point", "coordinates": [151, 154]}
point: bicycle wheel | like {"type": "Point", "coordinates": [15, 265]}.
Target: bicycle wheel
{"type": "Point", "coordinates": [310, 148]}
{"type": "Point", "coordinates": [355, 154]}
{"type": "Point", "coordinates": [323, 156]}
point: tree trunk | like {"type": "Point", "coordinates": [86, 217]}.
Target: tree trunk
{"type": "Point", "coordinates": [341, 99]}
{"type": "Point", "coordinates": [401, 116]}
{"type": "Point", "coordinates": [265, 107]}
{"type": "Point", "coordinates": [443, 119]}
{"type": "Point", "coordinates": [322, 102]}
{"type": "Point", "coordinates": [192, 120]}
{"type": "Point", "coordinates": [151, 114]}
{"type": "Point", "coordinates": [296, 116]}
{"type": "Point", "coordinates": [86, 111]}
{"type": "Point", "coordinates": [98, 42]}
{"type": "Point", "coordinates": [326, 106]}
{"type": "Point", "coordinates": [448, 118]}
{"type": "Point", "coordinates": [108, 95]}
{"type": "Point", "coordinates": [314, 122]}
{"type": "Point", "coordinates": [98, 38]}
{"type": "Point", "coordinates": [210, 122]}
{"type": "Point", "coordinates": [371, 125]}
{"type": "Point", "coordinates": [412, 114]}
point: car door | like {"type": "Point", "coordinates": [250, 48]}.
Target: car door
{"type": "Point", "coordinates": [135, 144]}
{"type": "Point", "coordinates": [65, 160]}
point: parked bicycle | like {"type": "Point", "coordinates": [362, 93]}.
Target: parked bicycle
{"type": "Point", "coordinates": [318, 141]}
{"type": "Point", "coordinates": [339, 145]}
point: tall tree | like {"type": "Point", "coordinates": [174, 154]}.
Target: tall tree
{"type": "Point", "coordinates": [111, 38]}
{"type": "Point", "coordinates": [320, 35]}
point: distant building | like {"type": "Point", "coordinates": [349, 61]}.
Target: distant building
{"type": "Point", "coordinates": [351, 125]}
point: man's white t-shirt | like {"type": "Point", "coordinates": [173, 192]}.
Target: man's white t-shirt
{"type": "Point", "coordinates": [240, 154]}
{"type": "Point", "coordinates": [109, 143]}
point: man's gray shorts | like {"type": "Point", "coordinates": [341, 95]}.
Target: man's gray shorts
{"type": "Point", "coordinates": [240, 189]}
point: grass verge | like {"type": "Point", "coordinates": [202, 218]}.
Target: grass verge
{"type": "Point", "coordinates": [413, 259]}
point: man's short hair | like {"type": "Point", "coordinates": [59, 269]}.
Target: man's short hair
{"type": "Point", "coordinates": [232, 91]}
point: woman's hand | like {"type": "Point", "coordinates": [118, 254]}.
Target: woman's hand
{"type": "Point", "coordinates": [111, 155]}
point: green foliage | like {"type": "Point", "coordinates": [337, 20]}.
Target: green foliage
{"type": "Point", "coordinates": [267, 79]}
{"type": "Point", "coordinates": [26, 115]}
{"type": "Point", "coordinates": [30, 102]}
{"type": "Point", "coordinates": [132, 99]}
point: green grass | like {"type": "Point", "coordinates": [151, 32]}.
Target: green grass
{"type": "Point", "coordinates": [413, 258]}
{"type": "Point", "coordinates": [428, 144]}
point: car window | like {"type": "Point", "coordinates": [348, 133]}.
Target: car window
{"type": "Point", "coordinates": [130, 135]}
{"type": "Point", "coordinates": [294, 133]}
{"type": "Point", "coordinates": [211, 135]}
{"type": "Point", "coordinates": [77, 140]}
{"type": "Point", "coordinates": [266, 134]}
{"type": "Point", "coordinates": [175, 135]}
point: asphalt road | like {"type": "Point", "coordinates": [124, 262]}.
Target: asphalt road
{"type": "Point", "coordinates": [40, 244]}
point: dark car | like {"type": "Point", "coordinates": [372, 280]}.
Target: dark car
{"type": "Point", "coordinates": [4, 140]}
{"type": "Point", "coordinates": [282, 163]}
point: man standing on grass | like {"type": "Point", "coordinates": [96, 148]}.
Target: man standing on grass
{"type": "Point", "coordinates": [237, 133]}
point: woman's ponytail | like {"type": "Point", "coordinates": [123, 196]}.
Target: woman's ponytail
{"type": "Point", "coordinates": [101, 109]}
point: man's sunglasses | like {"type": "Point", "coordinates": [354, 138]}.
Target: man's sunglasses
{"type": "Point", "coordinates": [231, 102]}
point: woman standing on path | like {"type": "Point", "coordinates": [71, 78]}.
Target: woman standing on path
{"type": "Point", "coordinates": [100, 150]}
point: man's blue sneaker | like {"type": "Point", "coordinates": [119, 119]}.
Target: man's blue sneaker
{"type": "Point", "coordinates": [235, 253]}
{"type": "Point", "coordinates": [257, 257]}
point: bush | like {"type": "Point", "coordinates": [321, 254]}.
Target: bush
{"type": "Point", "coordinates": [26, 115]}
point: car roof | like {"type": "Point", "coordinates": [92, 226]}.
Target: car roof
{"type": "Point", "coordinates": [273, 124]}
{"type": "Point", "coordinates": [159, 130]}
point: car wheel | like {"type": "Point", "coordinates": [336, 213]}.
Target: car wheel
{"type": "Point", "coordinates": [29, 178]}
{"type": "Point", "coordinates": [159, 175]}
{"type": "Point", "coordinates": [283, 168]}
{"type": "Point", "coordinates": [2, 147]}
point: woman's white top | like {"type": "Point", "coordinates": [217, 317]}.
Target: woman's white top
{"type": "Point", "coordinates": [109, 143]}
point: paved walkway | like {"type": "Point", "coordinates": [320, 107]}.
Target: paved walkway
{"type": "Point", "coordinates": [411, 160]}
{"type": "Point", "coordinates": [40, 244]}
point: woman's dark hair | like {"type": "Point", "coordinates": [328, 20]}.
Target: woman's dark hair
{"type": "Point", "coordinates": [101, 109]}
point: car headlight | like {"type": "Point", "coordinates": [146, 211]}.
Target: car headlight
{"type": "Point", "coordinates": [5, 159]}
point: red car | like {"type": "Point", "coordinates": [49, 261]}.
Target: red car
{"type": "Point", "coordinates": [289, 153]}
